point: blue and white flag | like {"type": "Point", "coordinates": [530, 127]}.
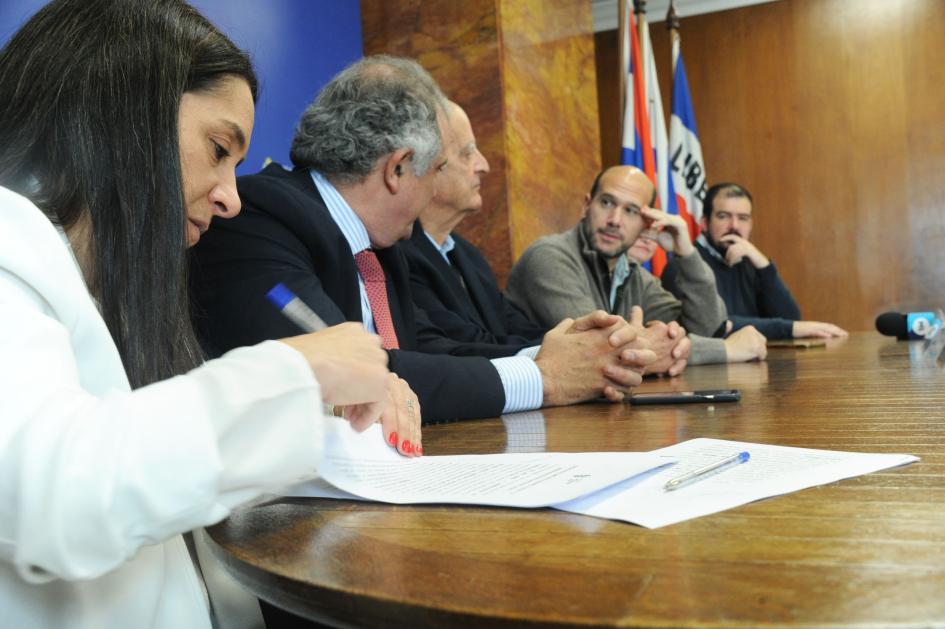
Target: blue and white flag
{"type": "Point", "coordinates": [688, 167]}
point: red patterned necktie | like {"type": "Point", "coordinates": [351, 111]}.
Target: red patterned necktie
{"type": "Point", "coordinates": [376, 287]}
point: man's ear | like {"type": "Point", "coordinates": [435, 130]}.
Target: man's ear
{"type": "Point", "coordinates": [704, 223]}
{"type": "Point", "coordinates": [587, 204]}
{"type": "Point", "coordinates": [394, 168]}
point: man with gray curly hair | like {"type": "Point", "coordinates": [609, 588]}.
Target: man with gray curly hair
{"type": "Point", "coordinates": [342, 135]}
{"type": "Point", "coordinates": [366, 156]}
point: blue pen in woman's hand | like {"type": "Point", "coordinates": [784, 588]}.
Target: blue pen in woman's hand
{"type": "Point", "coordinates": [294, 308]}
{"type": "Point", "coordinates": [706, 471]}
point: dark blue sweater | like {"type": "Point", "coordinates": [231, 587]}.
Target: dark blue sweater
{"type": "Point", "coordinates": [752, 296]}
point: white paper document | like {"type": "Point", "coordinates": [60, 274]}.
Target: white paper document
{"type": "Point", "coordinates": [363, 466]}
{"type": "Point", "coordinates": [626, 486]}
{"type": "Point", "coordinates": [771, 471]}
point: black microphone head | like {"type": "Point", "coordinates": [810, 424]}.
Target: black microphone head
{"type": "Point", "coordinates": [892, 324]}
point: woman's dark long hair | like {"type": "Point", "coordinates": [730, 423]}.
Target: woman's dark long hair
{"type": "Point", "coordinates": [89, 98]}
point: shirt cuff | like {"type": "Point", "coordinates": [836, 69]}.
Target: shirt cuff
{"type": "Point", "coordinates": [521, 381]}
{"type": "Point", "coordinates": [530, 352]}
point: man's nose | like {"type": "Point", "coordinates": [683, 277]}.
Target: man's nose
{"type": "Point", "coordinates": [482, 165]}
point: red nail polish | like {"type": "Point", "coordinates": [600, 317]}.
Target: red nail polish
{"type": "Point", "coordinates": [393, 439]}
{"type": "Point", "coordinates": [408, 448]}
{"type": "Point", "coordinates": [420, 450]}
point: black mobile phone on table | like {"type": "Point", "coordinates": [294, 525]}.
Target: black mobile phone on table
{"type": "Point", "coordinates": [710, 396]}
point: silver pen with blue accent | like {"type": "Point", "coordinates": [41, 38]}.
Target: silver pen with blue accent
{"type": "Point", "coordinates": [294, 308]}
{"type": "Point", "coordinates": [706, 471]}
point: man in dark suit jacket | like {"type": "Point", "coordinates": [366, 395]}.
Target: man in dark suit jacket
{"type": "Point", "coordinates": [449, 278]}
{"type": "Point", "coordinates": [367, 152]}
{"type": "Point", "coordinates": [461, 296]}
{"type": "Point", "coordinates": [285, 233]}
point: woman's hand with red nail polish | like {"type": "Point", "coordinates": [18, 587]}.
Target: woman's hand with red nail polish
{"type": "Point", "coordinates": [401, 418]}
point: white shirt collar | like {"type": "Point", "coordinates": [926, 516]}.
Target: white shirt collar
{"type": "Point", "coordinates": [448, 245]}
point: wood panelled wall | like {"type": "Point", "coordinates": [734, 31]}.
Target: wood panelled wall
{"type": "Point", "coordinates": [832, 112]}
{"type": "Point", "coordinates": [524, 72]}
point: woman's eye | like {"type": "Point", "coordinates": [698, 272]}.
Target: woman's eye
{"type": "Point", "coordinates": [218, 151]}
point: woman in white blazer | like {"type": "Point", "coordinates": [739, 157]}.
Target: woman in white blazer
{"type": "Point", "coordinates": [121, 123]}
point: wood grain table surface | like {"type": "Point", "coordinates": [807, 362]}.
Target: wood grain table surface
{"type": "Point", "coordinates": [863, 552]}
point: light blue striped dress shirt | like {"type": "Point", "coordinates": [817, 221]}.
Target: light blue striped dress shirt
{"type": "Point", "coordinates": [520, 376]}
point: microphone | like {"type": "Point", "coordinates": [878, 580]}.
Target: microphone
{"type": "Point", "coordinates": [908, 326]}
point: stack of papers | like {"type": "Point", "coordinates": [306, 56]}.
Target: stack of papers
{"type": "Point", "coordinates": [362, 466]}
{"type": "Point", "coordinates": [626, 486]}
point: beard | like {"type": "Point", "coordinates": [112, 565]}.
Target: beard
{"type": "Point", "coordinates": [607, 255]}
{"type": "Point", "coordinates": [719, 245]}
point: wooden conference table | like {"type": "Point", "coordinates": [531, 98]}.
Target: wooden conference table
{"type": "Point", "coordinates": [864, 551]}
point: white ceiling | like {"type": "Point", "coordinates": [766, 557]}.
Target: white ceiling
{"type": "Point", "coordinates": [605, 11]}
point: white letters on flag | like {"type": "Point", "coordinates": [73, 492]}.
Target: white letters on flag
{"type": "Point", "coordinates": [687, 164]}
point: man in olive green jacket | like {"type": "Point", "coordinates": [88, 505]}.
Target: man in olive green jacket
{"type": "Point", "coordinates": [587, 268]}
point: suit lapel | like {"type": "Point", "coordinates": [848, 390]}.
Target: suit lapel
{"type": "Point", "coordinates": [336, 268]}
{"type": "Point", "coordinates": [476, 295]}
{"type": "Point", "coordinates": [443, 270]}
